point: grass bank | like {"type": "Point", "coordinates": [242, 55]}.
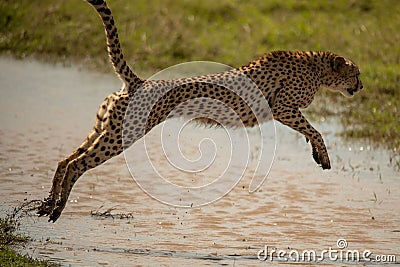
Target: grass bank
{"type": "Point", "coordinates": [9, 257]}
{"type": "Point", "coordinates": [156, 34]}
{"type": "Point", "coordinates": [11, 240]}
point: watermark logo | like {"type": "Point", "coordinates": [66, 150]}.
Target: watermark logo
{"type": "Point", "coordinates": [340, 253]}
{"type": "Point", "coordinates": [341, 243]}
{"type": "Point", "coordinates": [180, 95]}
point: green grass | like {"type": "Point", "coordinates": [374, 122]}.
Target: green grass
{"type": "Point", "coordinates": [156, 34]}
{"type": "Point", "coordinates": [8, 236]}
{"type": "Point", "coordinates": [11, 240]}
{"type": "Point", "coordinates": [9, 257]}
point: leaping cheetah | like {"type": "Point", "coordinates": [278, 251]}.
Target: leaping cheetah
{"type": "Point", "coordinates": [288, 81]}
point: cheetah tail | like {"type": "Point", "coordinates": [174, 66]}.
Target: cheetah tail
{"type": "Point", "coordinates": [128, 77]}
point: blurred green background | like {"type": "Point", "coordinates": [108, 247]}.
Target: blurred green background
{"type": "Point", "coordinates": [156, 34]}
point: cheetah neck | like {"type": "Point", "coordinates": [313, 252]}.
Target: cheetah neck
{"type": "Point", "coordinates": [282, 64]}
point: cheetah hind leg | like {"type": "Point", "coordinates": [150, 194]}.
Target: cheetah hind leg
{"type": "Point", "coordinates": [49, 203]}
{"type": "Point", "coordinates": [91, 158]}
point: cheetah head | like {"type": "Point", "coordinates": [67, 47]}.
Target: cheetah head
{"type": "Point", "coordinates": [343, 77]}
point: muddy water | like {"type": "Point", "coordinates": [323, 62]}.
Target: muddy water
{"type": "Point", "coordinates": [47, 110]}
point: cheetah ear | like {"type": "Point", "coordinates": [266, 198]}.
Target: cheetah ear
{"type": "Point", "coordinates": [338, 64]}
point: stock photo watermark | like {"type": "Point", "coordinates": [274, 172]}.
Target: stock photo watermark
{"type": "Point", "coordinates": [198, 105]}
{"type": "Point", "coordinates": [340, 253]}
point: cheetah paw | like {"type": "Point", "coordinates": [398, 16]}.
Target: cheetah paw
{"type": "Point", "coordinates": [325, 162]}
{"type": "Point", "coordinates": [46, 207]}
{"type": "Point", "coordinates": [320, 158]}
{"type": "Point", "coordinates": [56, 212]}
{"type": "Point", "coordinates": [326, 165]}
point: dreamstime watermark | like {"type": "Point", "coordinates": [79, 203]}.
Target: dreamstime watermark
{"type": "Point", "coordinates": [340, 253]}
{"type": "Point", "coordinates": [227, 98]}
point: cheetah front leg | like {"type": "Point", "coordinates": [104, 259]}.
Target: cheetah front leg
{"type": "Point", "coordinates": [314, 152]}
{"type": "Point", "coordinates": [49, 203]}
{"type": "Point", "coordinates": [293, 118]}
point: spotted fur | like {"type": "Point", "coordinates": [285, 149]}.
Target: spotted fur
{"type": "Point", "coordinates": [287, 80]}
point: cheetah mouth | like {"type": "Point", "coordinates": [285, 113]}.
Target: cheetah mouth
{"type": "Point", "coordinates": [355, 89]}
{"type": "Point", "coordinates": [352, 91]}
{"type": "Point", "coordinates": [349, 92]}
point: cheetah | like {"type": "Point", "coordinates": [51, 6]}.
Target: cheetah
{"type": "Point", "coordinates": [287, 80]}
